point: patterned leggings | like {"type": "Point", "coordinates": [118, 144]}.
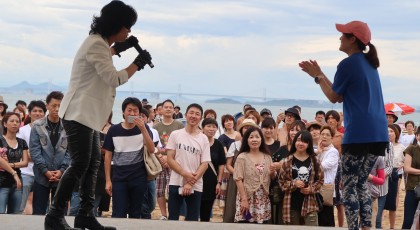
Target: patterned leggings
{"type": "Point", "coordinates": [357, 199]}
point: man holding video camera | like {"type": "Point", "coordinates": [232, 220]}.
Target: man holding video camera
{"type": "Point", "coordinates": [124, 146]}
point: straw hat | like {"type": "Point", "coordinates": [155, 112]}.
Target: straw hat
{"type": "Point", "coordinates": [247, 122]}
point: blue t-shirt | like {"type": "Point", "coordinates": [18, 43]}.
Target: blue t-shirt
{"type": "Point", "coordinates": [127, 146]}
{"type": "Point", "coordinates": [357, 81]}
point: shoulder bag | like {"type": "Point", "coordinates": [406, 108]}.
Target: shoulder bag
{"type": "Point", "coordinates": [327, 192]}
{"type": "Point", "coordinates": [152, 164]}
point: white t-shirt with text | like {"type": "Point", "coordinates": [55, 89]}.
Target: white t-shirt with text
{"type": "Point", "coordinates": [190, 152]}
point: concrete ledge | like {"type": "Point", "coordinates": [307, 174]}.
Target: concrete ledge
{"type": "Point", "coordinates": [23, 222]}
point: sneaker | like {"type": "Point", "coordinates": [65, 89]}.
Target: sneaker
{"type": "Point", "coordinates": [163, 218]}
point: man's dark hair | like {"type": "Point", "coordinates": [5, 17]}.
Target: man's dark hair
{"type": "Point", "coordinates": [268, 122]}
{"type": "Point", "coordinates": [20, 102]}
{"type": "Point", "coordinates": [37, 103]}
{"type": "Point", "coordinates": [54, 95]}
{"type": "Point", "coordinates": [195, 105]}
{"type": "Point", "coordinates": [248, 109]}
{"type": "Point", "coordinates": [246, 105]}
{"type": "Point", "coordinates": [320, 112]}
{"type": "Point", "coordinates": [168, 100]}
{"type": "Point", "coordinates": [114, 16]}
{"type": "Point", "coordinates": [334, 114]}
{"type": "Point", "coordinates": [131, 100]}
{"type": "Point", "coordinates": [159, 104]}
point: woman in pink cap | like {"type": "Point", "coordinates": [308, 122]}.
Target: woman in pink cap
{"type": "Point", "coordinates": [357, 85]}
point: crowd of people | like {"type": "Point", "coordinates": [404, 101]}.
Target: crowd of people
{"type": "Point", "coordinates": [258, 167]}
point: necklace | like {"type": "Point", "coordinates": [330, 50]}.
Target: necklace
{"type": "Point", "coordinates": [53, 128]}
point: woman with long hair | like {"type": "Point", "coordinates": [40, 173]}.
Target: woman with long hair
{"type": "Point", "coordinates": [301, 177]}
{"type": "Point", "coordinates": [15, 152]}
{"type": "Point", "coordinates": [412, 168]}
{"type": "Point", "coordinates": [231, 156]}
{"type": "Point", "coordinates": [252, 176]}
{"type": "Point", "coordinates": [285, 146]}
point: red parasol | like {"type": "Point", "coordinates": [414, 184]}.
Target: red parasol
{"type": "Point", "coordinates": [399, 108]}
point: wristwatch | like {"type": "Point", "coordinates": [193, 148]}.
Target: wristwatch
{"type": "Point", "coordinates": [316, 79]}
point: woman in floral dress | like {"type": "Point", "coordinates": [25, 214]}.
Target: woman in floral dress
{"type": "Point", "coordinates": [252, 176]}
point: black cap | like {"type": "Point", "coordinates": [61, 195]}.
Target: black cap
{"type": "Point", "coordinates": [145, 100]}
{"type": "Point", "coordinates": [293, 111]}
{"type": "Point", "coordinates": [265, 110]}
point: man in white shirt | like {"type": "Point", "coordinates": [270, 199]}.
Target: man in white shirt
{"type": "Point", "coordinates": [188, 154]}
{"type": "Point", "coordinates": [36, 110]}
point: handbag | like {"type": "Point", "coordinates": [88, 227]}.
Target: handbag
{"type": "Point", "coordinates": [319, 201]}
{"type": "Point", "coordinates": [217, 202]}
{"type": "Point", "coordinates": [152, 164]}
{"type": "Point", "coordinates": [417, 192]}
{"type": "Point", "coordinates": [374, 190]}
{"type": "Point", "coordinates": [327, 192]}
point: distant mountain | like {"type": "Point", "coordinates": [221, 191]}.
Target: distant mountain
{"type": "Point", "coordinates": [223, 101]}
{"type": "Point", "coordinates": [26, 87]}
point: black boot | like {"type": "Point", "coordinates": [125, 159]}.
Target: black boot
{"type": "Point", "coordinates": [57, 223]}
{"type": "Point", "coordinates": [90, 222]}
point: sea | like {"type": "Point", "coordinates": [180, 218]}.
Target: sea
{"type": "Point", "coordinates": [308, 113]}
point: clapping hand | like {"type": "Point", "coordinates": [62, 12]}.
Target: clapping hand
{"type": "Point", "coordinates": [311, 67]}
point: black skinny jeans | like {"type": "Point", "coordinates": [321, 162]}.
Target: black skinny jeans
{"type": "Point", "coordinates": [83, 146]}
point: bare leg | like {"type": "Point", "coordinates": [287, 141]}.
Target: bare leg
{"type": "Point", "coordinates": [392, 216]}
{"type": "Point", "coordinates": [340, 215]}
{"type": "Point", "coordinates": [162, 206]}
{"type": "Point", "coordinates": [28, 207]}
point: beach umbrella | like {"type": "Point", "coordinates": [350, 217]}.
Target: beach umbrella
{"type": "Point", "coordinates": [399, 108]}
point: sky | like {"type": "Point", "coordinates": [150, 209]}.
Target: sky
{"type": "Point", "coordinates": [218, 47]}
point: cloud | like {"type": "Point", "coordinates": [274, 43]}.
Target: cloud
{"type": "Point", "coordinates": [221, 47]}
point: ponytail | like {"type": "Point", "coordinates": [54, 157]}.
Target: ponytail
{"type": "Point", "coordinates": [371, 55]}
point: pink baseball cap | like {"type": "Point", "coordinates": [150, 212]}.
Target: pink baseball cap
{"type": "Point", "coordinates": [359, 29]}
